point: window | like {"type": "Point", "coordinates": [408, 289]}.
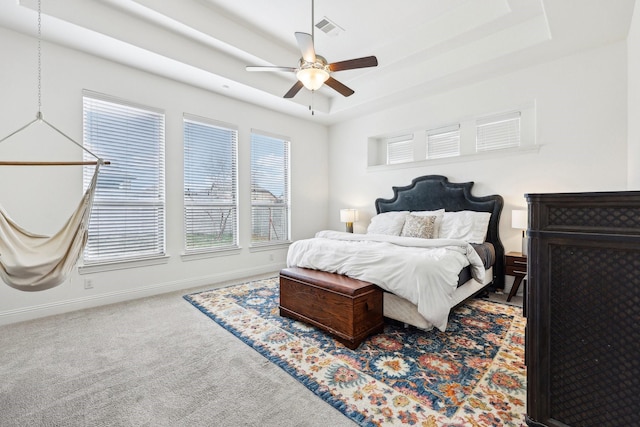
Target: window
{"type": "Point", "coordinates": [210, 185]}
{"type": "Point", "coordinates": [476, 136]}
{"type": "Point", "coordinates": [498, 132]}
{"type": "Point", "coordinates": [269, 189]}
{"type": "Point", "coordinates": [443, 142]}
{"type": "Point", "coordinates": [400, 149]}
{"type": "Point", "coordinates": [128, 214]}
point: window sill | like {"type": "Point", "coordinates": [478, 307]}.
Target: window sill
{"type": "Point", "coordinates": [213, 253]}
{"type": "Point", "coordinates": [269, 246]}
{"type": "Point", "coordinates": [527, 149]}
{"type": "Point", "coordinates": [121, 265]}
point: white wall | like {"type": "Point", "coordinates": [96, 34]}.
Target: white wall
{"type": "Point", "coordinates": [581, 104]}
{"type": "Point", "coordinates": [581, 127]}
{"type": "Point", "coordinates": [40, 199]}
{"type": "Point", "coordinates": [633, 55]}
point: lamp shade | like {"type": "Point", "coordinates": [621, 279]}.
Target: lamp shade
{"type": "Point", "coordinates": [348, 215]}
{"type": "Point", "coordinates": [519, 219]}
{"type": "Point", "coordinates": [312, 78]}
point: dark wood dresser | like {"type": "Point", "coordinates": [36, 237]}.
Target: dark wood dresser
{"type": "Point", "coordinates": [583, 309]}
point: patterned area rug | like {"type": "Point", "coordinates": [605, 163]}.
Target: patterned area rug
{"type": "Point", "coordinates": [471, 375]}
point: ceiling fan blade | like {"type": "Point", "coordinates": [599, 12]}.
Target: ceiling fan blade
{"type": "Point", "coordinates": [305, 43]}
{"type": "Point", "coordinates": [260, 68]}
{"type": "Point", "coordinates": [339, 87]}
{"type": "Point", "coordinates": [350, 64]}
{"type": "Point", "coordinates": [294, 90]}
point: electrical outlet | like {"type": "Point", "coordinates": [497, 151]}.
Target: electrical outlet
{"type": "Point", "coordinates": [88, 284]}
{"type": "Point", "coordinates": [271, 257]}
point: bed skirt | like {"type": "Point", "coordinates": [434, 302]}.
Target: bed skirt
{"type": "Point", "coordinates": [402, 310]}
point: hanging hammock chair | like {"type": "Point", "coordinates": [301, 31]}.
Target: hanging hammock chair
{"type": "Point", "coordinates": [33, 262]}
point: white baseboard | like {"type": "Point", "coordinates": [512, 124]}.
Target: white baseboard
{"type": "Point", "coordinates": [59, 307]}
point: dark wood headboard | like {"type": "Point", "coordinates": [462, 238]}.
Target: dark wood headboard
{"type": "Point", "coordinates": [432, 192]}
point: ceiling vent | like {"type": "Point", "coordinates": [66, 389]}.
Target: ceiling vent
{"type": "Point", "coordinates": [329, 27]}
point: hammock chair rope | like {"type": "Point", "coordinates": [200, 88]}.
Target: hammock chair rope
{"type": "Point", "coordinates": [40, 119]}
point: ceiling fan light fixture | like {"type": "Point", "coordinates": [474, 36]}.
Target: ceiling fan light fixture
{"type": "Point", "coordinates": [313, 70]}
{"type": "Point", "coordinates": [312, 78]}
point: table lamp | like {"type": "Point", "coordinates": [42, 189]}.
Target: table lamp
{"type": "Point", "coordinates": [520, 220]}
{"type": "Point", "coordinates": [349, 216]}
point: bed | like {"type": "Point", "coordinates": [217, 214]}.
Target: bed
{"type": "Point", "coordinates": [427, 302]}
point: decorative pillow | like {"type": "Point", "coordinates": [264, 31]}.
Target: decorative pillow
{"type": "Point", "coordinates": [419, 226]}
{"type": "Point", "coordinates": [438, 214]}
{"type": "Point", "coordinates": [389, 223]}
{"type": "Point", "coordinates": [469, 226]}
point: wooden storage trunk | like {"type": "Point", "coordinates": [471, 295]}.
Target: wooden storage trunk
{"type": "Point", "coordinates": [350, 309]}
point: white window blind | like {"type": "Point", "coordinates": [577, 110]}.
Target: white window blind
{"type": "Point", "coordinates": [498, 132]}
{"type": "Point", "coordinates": [210, 185]}
{"type": "Point", "coordinates": [443, 142]}
{"type": "Point", "coordinates": [128, 213]}
{"type": "Point", "coordinates": [400, 149]}
{"type": "Point", "coordinates": [269, 189]}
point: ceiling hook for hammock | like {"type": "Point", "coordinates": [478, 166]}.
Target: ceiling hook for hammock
{"type": "Point", "coordinates": [40, 118]}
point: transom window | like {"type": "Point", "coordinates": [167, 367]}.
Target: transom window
{"type": "Point", "coordinates": [498, 132]}
{"type": "Point", "coordinates": [510, 132]}
{"type": "Point", "coordinates": [443, 142]}
{"type": "Point", "coordinates": [400, 149]}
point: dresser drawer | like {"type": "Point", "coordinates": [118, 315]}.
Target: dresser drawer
{"type": "Point", "coordinates": [515, 265]}
{"type": "Point", "coordinates": [515, 270]}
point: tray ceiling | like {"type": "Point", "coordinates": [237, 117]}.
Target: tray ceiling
{"type": "Point", "coordinates": [423, 46]}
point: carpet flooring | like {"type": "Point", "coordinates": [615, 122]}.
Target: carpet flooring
{"type": "Point", "coordinates": [150, 362]}
{"type": "Point", "coordinates": [472, 374]}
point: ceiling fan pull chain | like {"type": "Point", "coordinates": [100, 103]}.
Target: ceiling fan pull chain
{"type": "Point", "coordinates": [313, 111]}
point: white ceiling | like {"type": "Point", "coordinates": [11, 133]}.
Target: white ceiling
{"type": "Point", "coordinates": [423, 46]}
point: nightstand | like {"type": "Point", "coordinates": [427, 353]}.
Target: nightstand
{"type": "Point", "coordinates": [516, 266]}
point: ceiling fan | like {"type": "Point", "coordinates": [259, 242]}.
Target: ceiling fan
{"type": "Point", "coordinates": [313, 70]}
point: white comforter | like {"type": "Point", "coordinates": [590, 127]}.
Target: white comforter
{"type": "Point", "coordinates": [423, 271]}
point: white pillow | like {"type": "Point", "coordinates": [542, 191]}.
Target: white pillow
{"type": "Point", "coordinates": [389, 223]}
{"type": "Point", "coordinates": [438, 214]}
{"type": "Point", "coordinates": [469, 226]}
